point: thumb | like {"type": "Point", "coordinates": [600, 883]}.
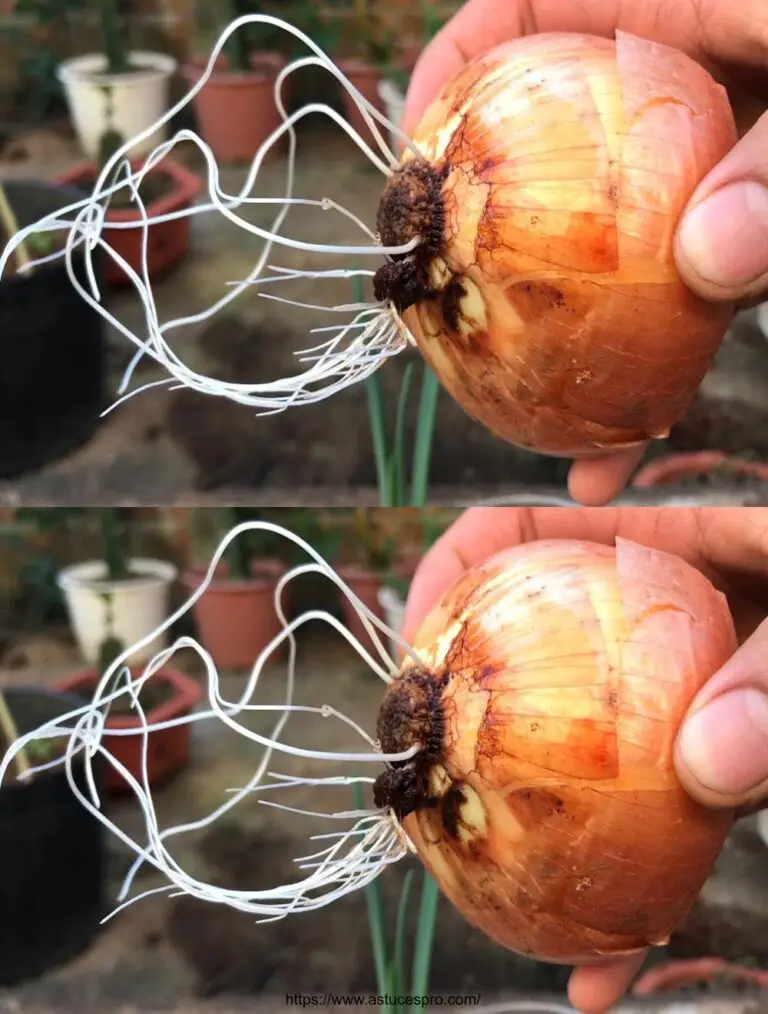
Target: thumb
{"type": "Point", "coordinates": [721, 753]}
{"type": "Point", "coordinates": [721, 246]}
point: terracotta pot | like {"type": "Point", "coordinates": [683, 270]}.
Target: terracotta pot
{"type": "Point", "coordinates": [366, 585]}
{"type": "Point", "coordinates": [366, 78]}
{"type": "Point", "coordinates": [167, 750]}
{"type": "Point", "coordinates": [236, 619]}
{"type": "Point", "coordinates": [674, 468]}
{"type": "Point", "coordinates": [168, 242]}
{"type": "Point", "coordinates": [236, 111]}
{"type": "Point", "coordinates": [676, 975]}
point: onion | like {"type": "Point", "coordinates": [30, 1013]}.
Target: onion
{"type": "Point", "coordinates": [544, 293]}
{"type": "Point", "coordinates": [544, 799]}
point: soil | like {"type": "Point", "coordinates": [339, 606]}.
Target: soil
{"type": "Point", "coordinates": [153, 694]}
{"type": "Point", "coordinates": [154, 186]}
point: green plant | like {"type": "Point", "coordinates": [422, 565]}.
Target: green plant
{"type": "Point", "coordinates": [377, 40]}
{"type": "Point", "coordinates": [112, 37]}
{"type": "Point", "coordinates": [396, 489]}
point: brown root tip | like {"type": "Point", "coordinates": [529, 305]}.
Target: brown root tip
{"type": "Point", "coordinates": [411, 714]}
{"type": "Point", "coordinates": [411, 206]}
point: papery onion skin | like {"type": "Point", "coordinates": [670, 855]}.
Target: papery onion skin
{"type": "Point", "coordinates": [545, 802]}
{"type": "Point", "coordinates": [545, 294]}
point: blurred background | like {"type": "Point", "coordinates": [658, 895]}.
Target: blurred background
{"type": "Point", "coordinates": [58, 876]}
{"type": "Point", "coordinates": [63, 363]}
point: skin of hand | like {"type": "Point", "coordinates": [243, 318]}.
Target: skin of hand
{"type": "Point", "coordinates": [721, 751]}
{"type": "Point", "coordinates": [721, 244]}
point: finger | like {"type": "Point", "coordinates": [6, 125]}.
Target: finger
{"type": "Point", "coordinates": [596, 481]}
{"type": "Point", "coordinates": [721, 246]}
{"type": "Point", "coordinates": [595, 988]}
{"type": "Point", "coordinates": [721, 752]}
{"type": "Point", "coordinates": [730, 34]}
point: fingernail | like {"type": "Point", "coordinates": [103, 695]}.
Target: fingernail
{"type": "Point", "coordinates": [725, 238]}
{"type": "Point", "coordinates": [725, 745]}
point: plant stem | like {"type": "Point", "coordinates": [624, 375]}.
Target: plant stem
{"type": "Point", "coordinates": [111, 538]}
{"type": "Point", "coordinates": [236, 553]}
{"type": "Point", "coordinates": [114, 50]}
{"type": "Point", "coordinates": [425, 432]}
{"type": "Point", "coordinates": [11, 734]}
{"type": "Point", "coordinates": [375, 906]}
{"type": "Point", "coordinates": [239, 50]}
{"type": "Point", "coordinates": [11, 227]}
{"type": "Point", "coordinates": [425, 936]}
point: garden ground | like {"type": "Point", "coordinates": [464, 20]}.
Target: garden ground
{"type": "Point", "coordinates": [193, 957]}
{"type": "Point", "coordinates": [163, 446]}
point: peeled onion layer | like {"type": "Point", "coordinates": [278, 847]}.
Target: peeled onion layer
{"type": "Point", "coordinates": [555, 313]}
{"type": "Point", "coordinates": [544, 801]}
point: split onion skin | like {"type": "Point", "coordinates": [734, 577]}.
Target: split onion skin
{"type": "Point", "coordinates": [549, 811]}
{"type": "Point", "coordinates": [549, 304]}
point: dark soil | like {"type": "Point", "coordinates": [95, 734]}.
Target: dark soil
{"type": "Point", "coordinates": [155, 185]}
{"type": "Point", "coordinates": [153, 694]}
{"type": "Point", "coordinates": [231, 953]}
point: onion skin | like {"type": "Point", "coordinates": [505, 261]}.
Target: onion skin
{"type": "Point", "coordinates": [562, 670]}
{"type": "Point", "coordinates": [551, 307]}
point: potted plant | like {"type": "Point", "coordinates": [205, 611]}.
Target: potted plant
{"type": "Point", "coordinates": [699, 467]}
{"type": "Point", "coordinates": [365, 70]}
{"type": "Point", "coordinates": [236, 616]}
{"type": "Point", "coordinates": [52, 850]}
{"type": "Point", "coordinates": [121, 89]}
{"type": "Point", "coordinates": [365, 574]}
{"type": "Point", "coordinates": [115, 601]}
{"type": "Point", "coordinates": [236, 109]}
{"type": "Point", "coordinates": [393, 595]}
{"type": "Point", "coordinates": [166, 695]}
{"type": "Point", "coordinates": [696, 974]}
{"type": "Point", "coordinates": [393, 85]}
{"type": "Point", "coordinates": [52, 384]}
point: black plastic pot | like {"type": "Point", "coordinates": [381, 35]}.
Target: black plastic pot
{"type": "Point", "coordinates": [52, 856]}
{"type": "Point", "coordinates": [52, 373]}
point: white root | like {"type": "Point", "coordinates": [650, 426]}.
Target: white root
{"type": "Point", "coordinates": [347, 860]}
{"type": "Point", "coordinates": [355, 351]}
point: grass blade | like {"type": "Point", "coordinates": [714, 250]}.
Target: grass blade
{"type": "Point", "coordinates": [425, 935]}
{"type": "Point", "coordinates": [425, 431]}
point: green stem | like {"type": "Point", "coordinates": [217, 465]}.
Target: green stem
{"type": "Point", "coordinates": [236, 553]}
{"type": "Point", "coordinates": [239, 49]}
{"type": "Point", "coordinates": [425, 936]}
{"type": "Point", "coordinates": [399, 984]}
{"type": "Point", "coordinates": [398, 467]}
{"type": "Point", "coordinates": [376, 921]}
{"type": "Point", "coordinates": [376, 415]}
{"type": "Point", "coordinates": [425, 432]}
{"type": "Point", "coordinates": [114, 50]}
{"type": "Point", "coordinates": [112, 542]}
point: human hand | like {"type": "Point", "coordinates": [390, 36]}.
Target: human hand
{"type": "Point", "coordinates": [721, 752]}
{"type": "Point", "coordinates": [722, 240]}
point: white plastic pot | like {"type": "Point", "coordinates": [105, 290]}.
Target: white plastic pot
{"type": "Point", "coordinates": [138, 99]}
{"type": "Point", "coordinates": [394, 615]}
{"type": "Point", "coordinates": [394, 108]}
{"type": "Point", "coordinates": [138, 605]}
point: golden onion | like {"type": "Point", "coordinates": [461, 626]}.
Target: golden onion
{"type": "Point", "coordinates": [544, 293]}
{"type": "Point", "coordinates": [544, 799]}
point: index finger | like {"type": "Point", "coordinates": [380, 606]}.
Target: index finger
{"type": "Point", "coordinates": [708, 30]}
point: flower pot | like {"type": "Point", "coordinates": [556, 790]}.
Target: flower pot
{"type": "Point", "coordinates": [366, 78]}
{"type": "Point", "coordinates": [695, 973]}
{"type": "Point", "coordinates": [138, 99]}
{"type": "Point", "coordinates": [236, 619]}
{"type": "Point", "coordinates": [52, 854]}
{"type": "Point", "coordinates": [394, 614]}
{"type": "Point", "coordinates": [393, 100]}
{"type": "Point", "coordinates": [52, 381]}
{"type": "Point", "coordinates": [366, 585]}
{"type": "Point", "coordinates": [236, 111]}
{"type": "Point", "coordinates": [676, 468]}
{"type": "Point", "coordinates": [175, 189]}
{"type": "Point", "coordinates": [138, 605]}
{"type": "Point", "coordinates": [176, 695]}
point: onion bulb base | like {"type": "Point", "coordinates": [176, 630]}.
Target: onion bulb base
{"type": "Point", "coordinates": [411, 207]}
